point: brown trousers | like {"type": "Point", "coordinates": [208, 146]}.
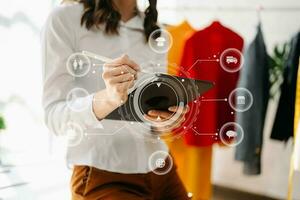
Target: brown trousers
{"type": "Point", "coordinates": [89, 183]}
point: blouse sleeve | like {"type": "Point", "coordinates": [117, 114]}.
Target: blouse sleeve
{"type": "Point", "coordinates": [58, 43]}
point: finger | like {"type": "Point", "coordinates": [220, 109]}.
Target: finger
{"type": "Point", "coordinates": [125, 60]}
{"type": "Point", "coordinates": [173, 108]}
{"type": "Point", "coordinates": [160, 113]}
{"type": "Point", "coordinates": [118, 70]}
{"type": "Point", "coordinates": [125, 85]}
{"type": "Point", "coordinates": [126, 69]}
{"type": "Point", "coordinates": [109, 72]}
{"type": "Point", "coordinates": [167, 116]}
{"type": "Point", "coordinates": [181, 109]}
{"type": "Point", "coordinates": [128, 84]}
{"type": "Point", "coordinates": [121, 78]}
{"type": "Point", "coordinates": [152, 118]}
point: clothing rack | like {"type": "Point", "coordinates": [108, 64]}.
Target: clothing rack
{"type": "Point", "coordinates": [232, 8]}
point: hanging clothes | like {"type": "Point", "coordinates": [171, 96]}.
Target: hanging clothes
{"type": "Point", "coordinates": [193, 163]}
{"type": "Point", "coordinates": [198, 164]}
{"type": "Point", "coordinates": [179, 34]}
{"type": "Point", "coordinates": [199, 60]}
{"type": "Point", "coordinates": [295, 158]}
{"type": "Point", "coordinates": [297, 124]}
{"type": "Point", "coordinates": [284, 120]}
{"type": "Point", "coordinates": [255, 77]}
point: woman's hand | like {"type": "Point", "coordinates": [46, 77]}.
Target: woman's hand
{"type": "Point", "coordinates": [157, 117]}
{"type": "Point", "coordinates": [118, 76]}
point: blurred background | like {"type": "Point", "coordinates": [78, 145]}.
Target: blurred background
{"type": "Point", "coordinates": [30, 156]}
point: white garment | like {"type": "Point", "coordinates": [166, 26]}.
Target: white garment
{"type": "Point", "coordinates": [114, 148]}
{"type": "Point", "coordinates": [297, 149]}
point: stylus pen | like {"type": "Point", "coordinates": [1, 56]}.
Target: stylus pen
{"type": "Point", "coordinates": [97, 57]}
{"type": "Point", "coordinates": [104, 59]}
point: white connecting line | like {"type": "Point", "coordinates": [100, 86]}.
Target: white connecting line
{"type": "Point", "coordinates": [205, 134]}
{"type": "Point", "coordinates": [225, 99]}
{"type": "Point", "coordinates": [203, 60]}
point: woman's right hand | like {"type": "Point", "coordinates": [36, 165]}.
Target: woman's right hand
{"type": "Point", "coordinates": [118, 76]}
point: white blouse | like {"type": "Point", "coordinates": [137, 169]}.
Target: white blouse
{"type": "Point", "coordinates": [112, 146]}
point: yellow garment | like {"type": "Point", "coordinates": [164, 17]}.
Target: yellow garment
{"type": "Point", "coordinates": [193, 163]}
{"type": "Point", "coordinates": [193, 167]}
{"type": "Point", "coordinates": [296, 124]}
{"type": "Point", "coordinates": [297, 102]}
{"type": "Point", "coordinates": [198, 171]}
{"type": "Point", "coordinates": [179, 34]}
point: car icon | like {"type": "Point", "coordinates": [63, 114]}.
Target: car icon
{"type": "Point", "coordinates": [231, 59]}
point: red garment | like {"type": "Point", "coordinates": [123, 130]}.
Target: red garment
{"type": "Point", "coordinates": [208, 44]}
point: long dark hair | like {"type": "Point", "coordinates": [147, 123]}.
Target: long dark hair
{"type": "Point", "coordinates": [98, 12]}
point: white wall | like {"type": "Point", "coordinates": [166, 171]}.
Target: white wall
{"type": "Point", "coordinates": [278, 26]}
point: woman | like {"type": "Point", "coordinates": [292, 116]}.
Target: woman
{"type": "Point", "coordinates": [106, 166]}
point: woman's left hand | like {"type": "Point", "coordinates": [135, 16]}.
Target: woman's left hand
{"type": "Point", "coordinates": [158, 116]}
